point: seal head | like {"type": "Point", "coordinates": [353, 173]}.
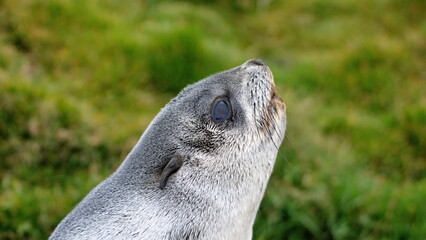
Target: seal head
{"type": "Point", "coordinates": [200, 169]}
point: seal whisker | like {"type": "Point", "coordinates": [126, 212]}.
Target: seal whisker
{"type": "Point", "coordinates": [276, 146]}
{"type": "Point", "coordinates": [269, 86]}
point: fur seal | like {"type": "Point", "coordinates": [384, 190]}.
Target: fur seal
{"type": "Point", "coordinates": [200, 169]}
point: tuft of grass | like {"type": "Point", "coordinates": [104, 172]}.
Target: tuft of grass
{"type": "Point", "coordinates": [39, 129]}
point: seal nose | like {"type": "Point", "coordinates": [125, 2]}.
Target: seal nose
{"type": "Point", "coordinates": [256, 61]}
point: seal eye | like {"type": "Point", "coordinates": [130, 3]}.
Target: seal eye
{"type": "Point", "coordinates": [221, 110]}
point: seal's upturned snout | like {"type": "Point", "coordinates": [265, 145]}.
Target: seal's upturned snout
{"type": "Point", "coordinates": [259, 76]}
{"type": "Point", "coordinates": [267, 107]}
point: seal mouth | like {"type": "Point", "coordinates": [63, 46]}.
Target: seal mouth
{"type": "Point", "coordinates": [275, 99]}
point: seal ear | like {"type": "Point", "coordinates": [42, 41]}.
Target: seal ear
{"type": "Point", "coordinates": [172, 166]}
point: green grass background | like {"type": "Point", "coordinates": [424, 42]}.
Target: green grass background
{"type": "Point", "coordinates": [80, 80]}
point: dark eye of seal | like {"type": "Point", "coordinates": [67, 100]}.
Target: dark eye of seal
{"type": "Point", "coordinates": [221, 110]}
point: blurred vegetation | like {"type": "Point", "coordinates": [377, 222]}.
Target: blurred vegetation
{"type": "Point", "coordinates": [80, 80]}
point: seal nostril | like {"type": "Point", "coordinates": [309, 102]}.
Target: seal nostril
{"type": "Point", "coordinates": [257, 62]}
{"type": "Point", "coordinates": [253, 62]}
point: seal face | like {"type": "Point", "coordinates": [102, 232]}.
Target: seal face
{"type": "Point", "coordinates": [200, 169]}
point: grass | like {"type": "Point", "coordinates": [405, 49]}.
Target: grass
{"type": "Point", "coordinates": [79, 81]}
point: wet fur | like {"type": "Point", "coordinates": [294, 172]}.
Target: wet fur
{"type": "Point", "coordinates": [216, 192]}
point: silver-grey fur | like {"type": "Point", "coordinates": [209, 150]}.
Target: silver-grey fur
{"type": "Point", "coordinates": [226, 166]}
